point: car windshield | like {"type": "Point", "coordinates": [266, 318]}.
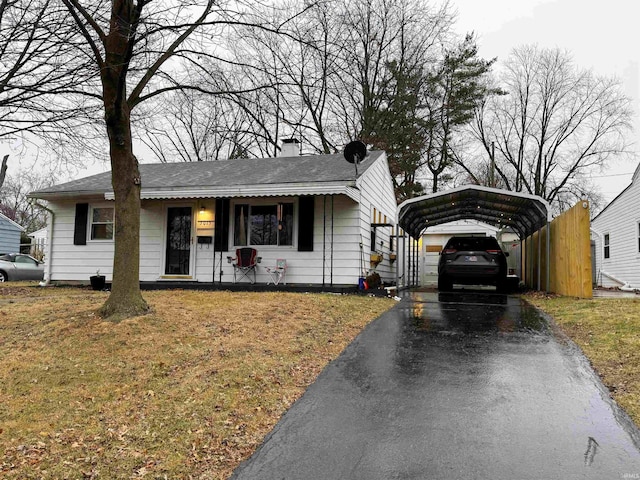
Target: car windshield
{"type": "Point", "coordinates": [473, 243]}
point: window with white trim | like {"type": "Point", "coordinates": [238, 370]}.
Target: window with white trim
{"type": "Point", "coordinates": [607, 250]}
{"type": "Point", "coordinates": [101, 227]}
{"type": "Point", "coordinates": [263, 224]}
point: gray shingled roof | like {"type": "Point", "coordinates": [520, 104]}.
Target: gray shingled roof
{"type": "Point", "coordinates": [255, 171]}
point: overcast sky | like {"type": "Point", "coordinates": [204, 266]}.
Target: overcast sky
{"type": "Point", "coordinates": [601, 35]}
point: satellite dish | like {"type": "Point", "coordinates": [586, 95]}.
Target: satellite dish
{"type": "Point", "coordinates": [355, 152]}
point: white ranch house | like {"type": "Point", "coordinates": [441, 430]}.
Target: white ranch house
{"type": "Point", "coordinates": [312, 211]}
{"type": "Point", "coordinates": [616, 234]}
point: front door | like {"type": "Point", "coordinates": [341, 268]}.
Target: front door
{"type": "Point", "coordinates": [178, 255]}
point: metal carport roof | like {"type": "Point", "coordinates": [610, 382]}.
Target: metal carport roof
{"type": "Point", "coordinates": [523, 212]}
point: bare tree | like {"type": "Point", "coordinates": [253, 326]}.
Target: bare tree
{"type": "Point", "coordinates": [141, 50]}
{"type": "Point", "coordinates": [325, 81]}
{"type": "Point", "coordinates": [36, 63]}
{"type": "Point", "coordinates": [453, 90]}
{"type": "Point", "coordinates": [14, 202]}
{"type": "Point", "coordinates": [195, 127]}
{"type": "Point", "coordinates": [37, 72]}
{"type": "Point", "coordinates": [329, 80]}
{"type": "Point", "coordinates": [555, 124]}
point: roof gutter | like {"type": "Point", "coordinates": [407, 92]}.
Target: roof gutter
{"type": "Point", "coordinates": [66, 195]}
{"type": "Point", "coordinates": [248, 191]}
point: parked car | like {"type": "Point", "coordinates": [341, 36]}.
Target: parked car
{"type": "Point", "coordinates": [16, 266]}
{"type": "Point", "coordinates": [472, 261]}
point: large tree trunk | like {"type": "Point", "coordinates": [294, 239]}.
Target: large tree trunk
{"type": "Point", "coordinates": [125, 299]}
{"type": "Point", "coordinates": [3, 169]}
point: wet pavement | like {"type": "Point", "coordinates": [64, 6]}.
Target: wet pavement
{"type": "Point", "coordinates": [461, 385]}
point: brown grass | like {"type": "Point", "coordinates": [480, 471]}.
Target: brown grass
{"type": "Point", "coordinates": [186, 392]}
{"type": "Point", "coordinates": [608, 332]}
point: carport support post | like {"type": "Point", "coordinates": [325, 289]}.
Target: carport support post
{"type": "Point", "coordinates": [396, 234]}
{"type": "Point", "coordinates": [409, 269]}
{"type": "Point", "coordinates": [416, 259]}
{"type": "Point", "coordinates": [539, 259]}
{"type": "Point", "coordinates": [405, 256]}
{"type": "Point", "coordinates": [413, 262]}
{"type": "Point", "coordinates": [530, 261]}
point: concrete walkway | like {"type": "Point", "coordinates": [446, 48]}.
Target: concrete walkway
{"type": "Point", "coordinates": [453, 386]}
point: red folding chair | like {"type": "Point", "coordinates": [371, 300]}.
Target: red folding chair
{"type": "Point", "coordinates": [245, 264]}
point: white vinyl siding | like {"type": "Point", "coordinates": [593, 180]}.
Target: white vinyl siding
{"type": "Point", "coordinates": [621, 220]}
{"type": "Point", "coordinates": [340, 225]}
{"type": "Point", "coordinates": [76, 262]}
{"type": "Point", "coordinates": [152, 235]}
{"type": "Point", "coordinates": [377, 193]}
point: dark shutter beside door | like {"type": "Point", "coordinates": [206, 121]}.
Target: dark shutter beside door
{"type": "Point", "coordinates": [80, 227]}
{"type": "Point", "coordinates": [306, 207]}
{"type": "Point", "coordinates": [221, 234]}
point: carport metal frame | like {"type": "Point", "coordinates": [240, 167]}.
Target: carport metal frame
{"type": "Point", "coordinates": [523, 212]}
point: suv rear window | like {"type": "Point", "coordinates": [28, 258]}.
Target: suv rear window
{"type": "Point", "coordinates": [473, 243]}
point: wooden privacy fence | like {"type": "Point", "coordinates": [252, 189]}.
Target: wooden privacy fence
{"type": "Point", "coordinates": [569, 253]}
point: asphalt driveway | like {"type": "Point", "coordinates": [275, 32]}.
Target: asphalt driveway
{"type": "Point", "coordinates": [463, 385]}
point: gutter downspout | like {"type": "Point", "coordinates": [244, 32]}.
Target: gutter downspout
{"type": "Point", "coordinates": [598, 247]}
{"type": "Point", "coordinates": [47, 277]}
{"type": "Point", "coordinates": [626, 286]}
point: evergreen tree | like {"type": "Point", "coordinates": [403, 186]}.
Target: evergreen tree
{"type": "Point", "coordinates": [453, 90]}
{"type": "Point", "coordinates": [397, 128]}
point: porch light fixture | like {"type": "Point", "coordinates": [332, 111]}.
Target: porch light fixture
{"type": "Point", "coordinates": [202, 209]}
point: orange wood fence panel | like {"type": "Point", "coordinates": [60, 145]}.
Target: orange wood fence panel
{"type": "Point", "coordinates": [570, 255]}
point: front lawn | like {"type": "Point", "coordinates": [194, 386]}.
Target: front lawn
{"type": "Point", "coordinates": [188, 391]}
{"type": "Point", "coordinates": [608, 332]}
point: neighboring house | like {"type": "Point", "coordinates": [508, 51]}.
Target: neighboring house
{"type": "Point", "coordinates": [616, 234]}
{"type": "Point", "coordinates": [38, 242]}
{"type": "Point", "coordinates": [9, 235]}
{"type": "Point", "coordinates": [311, 211]}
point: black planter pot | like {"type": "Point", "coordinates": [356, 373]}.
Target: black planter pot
{"type": "Point", "coordinates": [97, 282]}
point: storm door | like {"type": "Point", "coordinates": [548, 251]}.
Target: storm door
{"type": "Point", "coordinates": [178, 255]}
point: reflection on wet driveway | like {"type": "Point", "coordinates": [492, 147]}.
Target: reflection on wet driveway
{"type": "Point", "coordinates": [453, 386]}
{"type": "Point", "coordinates": [473, 312]}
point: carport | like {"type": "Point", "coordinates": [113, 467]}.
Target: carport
{"type": "Point", "coordinates": [524, 213]}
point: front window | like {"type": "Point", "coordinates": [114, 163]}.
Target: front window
{"type": "Point", "coordinates": [102, 223]}
{"type": "Point", "coordinates": [263, 224]}
{"type": "Point", "coordinates": [607, 251]}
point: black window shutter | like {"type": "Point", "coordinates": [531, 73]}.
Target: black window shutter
{"type": "Point", "coordinates": [80, 228]}
{"type": "Point", "coordinates": [305, 223]}
{"type": "Point", "coordinates": [221, 238]}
